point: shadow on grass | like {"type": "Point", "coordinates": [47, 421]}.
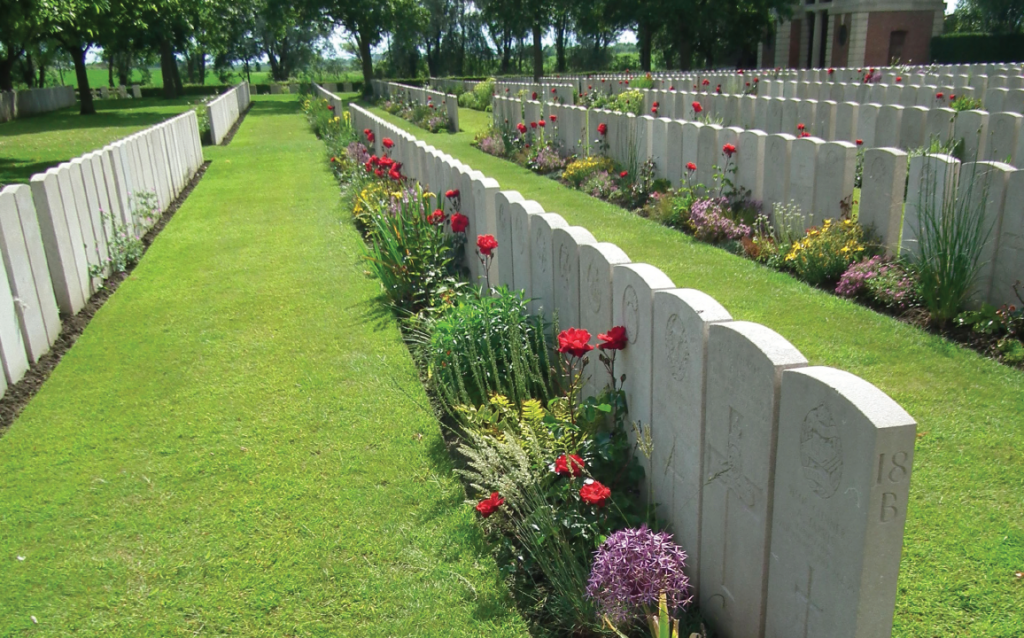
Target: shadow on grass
{"type": "Point", "coordinates": [13, 172]}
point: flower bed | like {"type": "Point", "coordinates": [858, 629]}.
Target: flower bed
{"type": "Point", "coordinates": [427, 116]}
{"type": "Point", "coordinates": [554, 476]}
{"type": "Point", "coordinates": [839, 256]}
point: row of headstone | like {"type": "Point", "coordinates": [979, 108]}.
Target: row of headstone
{"type": "Point", "coordinates": [546, 92]}
{"type": "Point", "coordinates": [224, 111]}
{"type": "Point", "coordinates": [816, 175]}
{"type": "Point", "coordinates": [417, 95]}
{"type": "Point", "coordinates": [55, 232]}
{"type": "Point", "coordinates": [787, 485]}
{"type": "Point", "coordinates": [277, 88]}
{"type": "Point", "coordinates": [14, 104]}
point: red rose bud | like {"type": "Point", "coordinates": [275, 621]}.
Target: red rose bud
{"type": "Point", "coordinates": [569, 465]}
{"type": "Point", "coordinates": [486, 244]}
{"type": "Point", "coordinates": [450, 194]}
{"type": "Point", "coordinates": [800, 127]}
{"type": "Point", "coordinates": [595, 494]}
{"type": "Point", "coordinates": [602, 128]}
{"type": "Point", "coordinates": [899, 79]}
{"type": "Point", "coordinates": [654, 110]}
{"type": "Point", "coordinates": [553, 117]}
{"type": "Point", "coordinates": [541, 123]}
{"type": "Point", "coordinates": [533, 125]}
{"type": "Point", "coordinates": [624, 174]}
{"type": "Point", "coordinates": [552, 89]}
{"type": "Point", "coordinates": [459, 223]}
{"type": "Point", "coordinates": [656, 105]}
{"type": "Point", "coordinates": [574, 342]}
{"type": "Point", "coordinates": [388, 142]}
{"type": "Point", "coordinates": [939, 96]}
{"type": "Point", "coordinates": [860, 142]}
{"type": "Point", "coordinates": [521, 127]}
{"type": "Point", "coordinates": [729, 149]}
{"type": "Point", "coordinates": [690, 166]}
{"type": "Point", "coordinates": [616, 338]}
{"type": "Point", "coordinates": [535, 95]}
{"type": "Point", "coordinates": [490, 505]}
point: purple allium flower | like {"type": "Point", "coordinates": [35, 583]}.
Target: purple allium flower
{"type": "Point", "coordinates": [632, 569]}
{"type": "Point", "coordinates": [357, 153]}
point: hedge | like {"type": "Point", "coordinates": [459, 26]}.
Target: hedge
{"type": "Point", "coordinates": [959, 48]}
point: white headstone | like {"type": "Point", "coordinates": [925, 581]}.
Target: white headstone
{"type": "Point", "coordinates": [845, 452]}
{"type": "Point", "coordinates": [931, 178]}
{"type": "Point", "coordinates": [542, 270]}
{"type": "Point", "coordinates": [39, 271]}
{"type": "Point", "coordinates": [744, 369]}
{"type": "Point", "coordinates": [596, 297]}
{"type": "Point", "coordinates": [777, 155]}
{"type": "Point", "coordinates": [833, 188]}
{"type": "Point", "coordinates": [881, 195]}
{"type": "Point", "coordinates": [681, 322]}
{"type": "Point", "coordinates": [503, 255]}
{"type": "Point", "coordinates": [1009, 261]}
{"type": "Point", "coordinates": [565, 247]}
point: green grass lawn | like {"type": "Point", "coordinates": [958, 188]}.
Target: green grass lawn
{"type": "Point", "coordinates": [965, 532]}
{"type": "Point", "coordinates": [239, 443]}
{"type": "Point", "coordinates": [33, 144]}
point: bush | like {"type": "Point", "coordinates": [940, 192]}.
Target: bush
{"type": "Point", "coordinates": [484, 345]}
{"type": "Point", "coordinates": [579, 171]}
{"type": "Point", "coordinates": [960, 48]}
{"type": "Point", "coordinates": [483, 93]}
{"type": "Point", "coordinates": [824, 254]}
{"type": "Point", "coordinates": [710, 222]}
{"type": "Point", "coordinates": [881, 282]}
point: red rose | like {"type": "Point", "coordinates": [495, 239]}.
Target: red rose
{"type": "Point", "coordinates": [436, 217]}
{"type": "Point", "coordinates": [452, 194]}
{"type": "Point", "coordinates": [330, 107]}
{"type": "Point", "coordinates": [388, 142]}
{"type": "Point", "coordinates": [623, 173]}
{"type": "Point", "coordinates": [800, 127]}
{"type": "Point", "coordinates": [395, 175]}
{"type": "Point", "coordinates": [690, 166]}
{"type": "Point", "coordinates": [718, 89]}
{"type": "Point", "coordinates": [697, 108]}
{"type": "Point", "coordinates": [860, 142]}
{"type": "Point", "coordinates": [521, 127]}
{"type": "Point", "coordinates": [654, 110]}
{"type": "Point", "coordinates": [952, 97]}
{"type": "Point", "coordinates": [334, 159]}
{"type": "Point", "coordinates": [367, 132]}
{"type": "Point", "coordinates": [595, 494]}
{"type": "Point", "coordinates": [489, 505]}
{"type": "Point", "coordinates": [553, 117]}
{"type": "Point", "coordinates": [602, 128]}
{"type": "Point", "coordinates": [486, 244]}
{"type": "Point", "coordinates": [574, 342]}
{"type": "Point", "coordinates": [706, 82]}
{"type": "Point", "coordinates": [805, 134]}
{"type": "Point", "coordinates": [533, 125]}
{"type": "Point", "coordinates": [729, 150]}
{"type": "Point", "coordinates": [899, 79]}
{"type": "Point", "coordinates": [379, 172]}
{"type": "Point", "coordinates": [572, 464]}
{"type": "Point", "coordinates": [459, 223]}
{"type": "Point", "coordinates": [541, 123]}
{"type": "Point", "coordinates": [616, 338]}
{"type": "Point", "coordinates": [552, 89]}
{"type": "Point", "coordinates": [656, 105]}
{"type": "Point", "coordinates": [831, 71]}
{"type": "Point", "coordinates": [671, 88]}
{"type": "Point", "coordinates": [939, 96]}
{"type": "Point", "coordinates": [535, 95]}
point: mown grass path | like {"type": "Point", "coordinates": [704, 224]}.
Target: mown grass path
{"type": "Point", "coordinates": [964, 539]}
{"type": "Point", "coordinates": [239, 443]}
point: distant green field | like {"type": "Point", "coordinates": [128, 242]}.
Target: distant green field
{"type": "Point", "coordinates": [99, 77]}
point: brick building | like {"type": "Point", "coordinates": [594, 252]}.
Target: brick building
{"type": "Point", "coordinates": [854, 33]}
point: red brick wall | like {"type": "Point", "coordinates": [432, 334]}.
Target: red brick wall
{"type": "Point", "coordinates": [840, 52]}
{"type": "Point", "coordinates": [794, 44]}
{"type": "Point", "coordinates": [917, 24]}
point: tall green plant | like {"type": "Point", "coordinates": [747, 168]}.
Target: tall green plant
{"type": "Point", "coordinates": [411, 256]}
{"type": "Point", "coordinates": [951, 236]}
{"type": "Point", "coordinates": [487, 344]}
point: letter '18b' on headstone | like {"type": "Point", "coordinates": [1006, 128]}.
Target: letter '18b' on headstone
{"type": "Point", "coordinates": [745, 365]}
{"type": "Point", "coordinates": [845, 452]}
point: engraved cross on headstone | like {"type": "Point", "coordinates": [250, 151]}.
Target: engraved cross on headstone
{"type": "Point", "coordinates": [809, 605]}
{"type": "Point", "coordinates": [728, 468]}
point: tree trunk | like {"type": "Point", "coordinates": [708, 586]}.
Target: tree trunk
{"type": "Point", "coordinates": [367, 60]}
{"type": "Point", "coordinates": [685, 51]}
{"type": "Point", "coordinates": [42, 76]}
{"type": "Point", "coordinates": [28, 74]}
{"type": "Point", "coordinates": [644, 38]}
{"type": "Point", "coordinates": [78, 55]}
{"type": "Point", "coordinates": [124, 69]}
{"type": "Point", "coordinates": [168, 68]}
{"type": "Point", "coordinates": [560, 47]}
{"type": "Point", "coordinates": [177, 75]}
{"type": "Point", "coordinates": [110, 71]}
{"type": "Point", "coordinates": [202, 67]}
{"type": "Point", "coordinates": [506, 53]}
{"type": "Point", "coordinates": [538, 54]}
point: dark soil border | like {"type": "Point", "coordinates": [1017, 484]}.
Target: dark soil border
{"type": "Point", "coordinates": [18, 395]}
{"type": "Point", "coordinates": [238, 123]}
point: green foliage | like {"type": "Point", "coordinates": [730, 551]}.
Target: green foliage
{"type": "Point", "coordinates": [974, 48]}
{"type": "Point", "coordinates": [824, 254]}
{"type": "Point", "coordinates": [951, 235]}
{"type": "Point", "coordinates": [487, 344]}
{"type": "Point", "coordinates": [965, 103]}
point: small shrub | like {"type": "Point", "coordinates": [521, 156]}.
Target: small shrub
{"type": "Point", "coordinates": [545, 160]}
{"type": "Point", "coordinates": [710, 222]}
{"type": "Point", "coordinates": [600, 184]}
{"type": "Point", "coordinates": [886, 283]}
{"type": "Point", "coordinates": [965, 103]}
{"type": "Point", "coordinates": [576, 173]}
{"type": "Point", "coordinates": [824, 254]}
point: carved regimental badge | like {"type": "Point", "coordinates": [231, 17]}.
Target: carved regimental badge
{"type": "Point", "coordinates": [821, 452]}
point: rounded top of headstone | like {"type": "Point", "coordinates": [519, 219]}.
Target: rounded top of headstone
{"type": "Point", "coordinates": [578, 233]}
{"type": "Point", "coordinates": [774, 346]}
{"type": "Point", "coordinates": [877, 406]}
{"type": "Point", "coordinates": [700, 303]}
{"type": "Point", "coordinates": [611, 252]}
{"type": "Point", "coordinates": [553, 220]}
{"type": "Point", "coordinates": [652, 276]}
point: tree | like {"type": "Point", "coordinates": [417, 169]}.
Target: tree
{"type": "Point", "coordinates": [367, 21]}
{"type": "Point", "coordinates": [77, 25]}
{"type": "Point", "coordinates": [18, 29]}
{"type": "Point", "coordinates": [987, 16]}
